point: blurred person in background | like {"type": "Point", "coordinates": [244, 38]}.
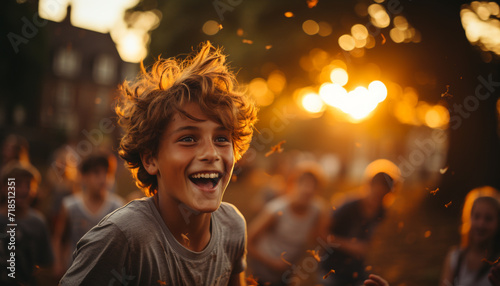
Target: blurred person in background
{"type": "Point", "coordinates": [32, 242]}
{"type": "Point", "coordinates": [61, 180]}
{"type": "Point", "coordinates": [286, 226]}
{"type": "Point", "coordinates": [15, 148]}
{"type": "Point", "coordinates": [352, 225]}
{"type": "Point", "coordinates": [83, 210]}
{"type": "Point", "coordinates": [272, 181]}
{"type": "Point", "coordinates": [471, 262]}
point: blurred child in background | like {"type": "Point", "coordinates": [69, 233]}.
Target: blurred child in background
{"type": "Point", "coordinates": [32, 242]}
{"type": "Point", "coordinates": [81, 211]}
{"type": "Point", "coordinates": [466, 265]}
{"type": "Point", "coordinates": [350, 232]}
{"type": "Point", "coordinates": [281, 232]}
{"type": "Point", "coordinates": [15, 148]}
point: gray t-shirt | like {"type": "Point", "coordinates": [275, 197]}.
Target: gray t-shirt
{"type": "Point", "coordinates": [133, 246]}
{"type": "Point", "coordinates": [81, 219]}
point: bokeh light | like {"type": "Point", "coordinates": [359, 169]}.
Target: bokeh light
{"type": "Point", "coordinates": [312, 103]}
{"type": "Point", "coordinates": [378, 90]}
{"type": "Point", "coordinates": [310, 27]}
{"type": "Point", "coordinates": [333, 94]}
{"type": "Point", "coordinates": [397, 35]}
{"type": "Point", "coordinates": [325, 29]}
{"type": "Point", "coordinates": [400, 22]}
{"type": "Point", "coordinates": [359, 32]}
{"type": "Point", "coordinates": [482, 25]}
{"type": "Point", "coordinates": [437, 117]}
{"type": "Point", "coordinates": [379, 16]}
{"type": "Point", "coordinates": [276, 81]}
{"type": "Point", "coordinates": [347, 43]}
{"type": "Point", "coordinates": [210, 27]}
{"type": "Point", "coordinates": [340, 76]}
{"type": "Point", "coordinates": [260, 92]}
{"type": "Point", "coordinates": [131, 38]}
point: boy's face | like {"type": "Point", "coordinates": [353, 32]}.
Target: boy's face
{"type": "Point", "coordinates": [25, 191]}
{"type": "Point", "coordinates": [195, 161]}
{"type": "Point", "coordinates": [305, 188]}
{"type": "Point", "coordinates": [95, 180]}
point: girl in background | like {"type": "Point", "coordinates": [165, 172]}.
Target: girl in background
{"type": "Point", "coordinates": [480, 241]}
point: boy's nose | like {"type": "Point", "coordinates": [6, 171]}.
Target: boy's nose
{"type": "Point", "coordinates": [208, 152]}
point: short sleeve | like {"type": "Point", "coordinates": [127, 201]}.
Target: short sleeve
{"type": "Point", "coordinates": [241, 259]}
{"type": "Point", "coordinates": [99, 258]}
{"type": "Point", "coordinates": [234, 230]}
{"type": "Point", "coordinates": [276, 205]}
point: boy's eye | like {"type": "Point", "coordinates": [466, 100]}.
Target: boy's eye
{"type": "Point", "coordinates": [188, 139]}
{"type": "Point", "coordinates": [222, 139]}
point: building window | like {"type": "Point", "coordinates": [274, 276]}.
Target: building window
{"type": "Point", "coordinates": [104, 71]}
{"type": "Point", "coordinates": [67, 63]}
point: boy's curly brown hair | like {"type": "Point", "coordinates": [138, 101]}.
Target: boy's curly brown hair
{"type": "Point", "coordinates": [146, 106]}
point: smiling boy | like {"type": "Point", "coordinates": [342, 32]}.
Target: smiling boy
{"type": "Point", "coordinates": [186, 125]}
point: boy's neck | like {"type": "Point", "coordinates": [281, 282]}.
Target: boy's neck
{"type": "Point", "coordinates": [191, 230]}
{"type": "Point", "coordinates": [96, 195]}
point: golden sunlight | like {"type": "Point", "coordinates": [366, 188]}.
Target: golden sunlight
{"type": "Point", "coordinates": [131, 38]}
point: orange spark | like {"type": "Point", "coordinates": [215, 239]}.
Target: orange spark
{"type": "Point", "coordinates": [289, 14]}
{"type": "Point", "coordinates": [314, 254]}
{"type": "Point", "coordinates": [447, 92]}
{"type": "Point", "coordinates": [161, 282]}
{"type": "Point", "coordinates": [490, 262]}
{"type": "Point", "coordinates": [185, 238]}
{"type": "Point", "coordinates": [383, 39]}
{"type": "Point", "coordinates": [433, 192]}
{"type": "Point", "coordinates": [443, 170]}
{"type": "Point", "coordinates": [328, 274]}
{"type": "Point", "coordinates": [246, 41]}
{"type": "Point", "coordinates": [312, 3]}
{"type": "Point", "coordinates": [283, 258]}
{"type": "Point", "coordinates": [448, 204]}
{"type": "Point", "coordinates": [276, 148]}
{"type": "Point", "coordinates": [252, 281]}
{"type": "Point", "coordinates": [269, 47]}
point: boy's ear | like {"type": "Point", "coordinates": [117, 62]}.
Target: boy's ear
{"type": "Point", "coordinates": [150, 164]}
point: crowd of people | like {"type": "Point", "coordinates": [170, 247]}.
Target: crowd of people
{"type": "Point", "coordinates": [49, 224]}
{"type": "Point", "coordinates": [82, 233]}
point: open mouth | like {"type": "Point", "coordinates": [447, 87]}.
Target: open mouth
{"type": "Point", "coordinates": [205, 180]}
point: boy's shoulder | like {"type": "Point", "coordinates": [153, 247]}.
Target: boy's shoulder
{"type": "Point", "coordinates": [228, 215]}
{"type": "Point", "coordinates": [71, 200]}
{"type": "Point", "coordinates": [132, 216]}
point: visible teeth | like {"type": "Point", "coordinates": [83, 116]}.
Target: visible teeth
{"type": "Point", "coordinates": [205, 175]}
